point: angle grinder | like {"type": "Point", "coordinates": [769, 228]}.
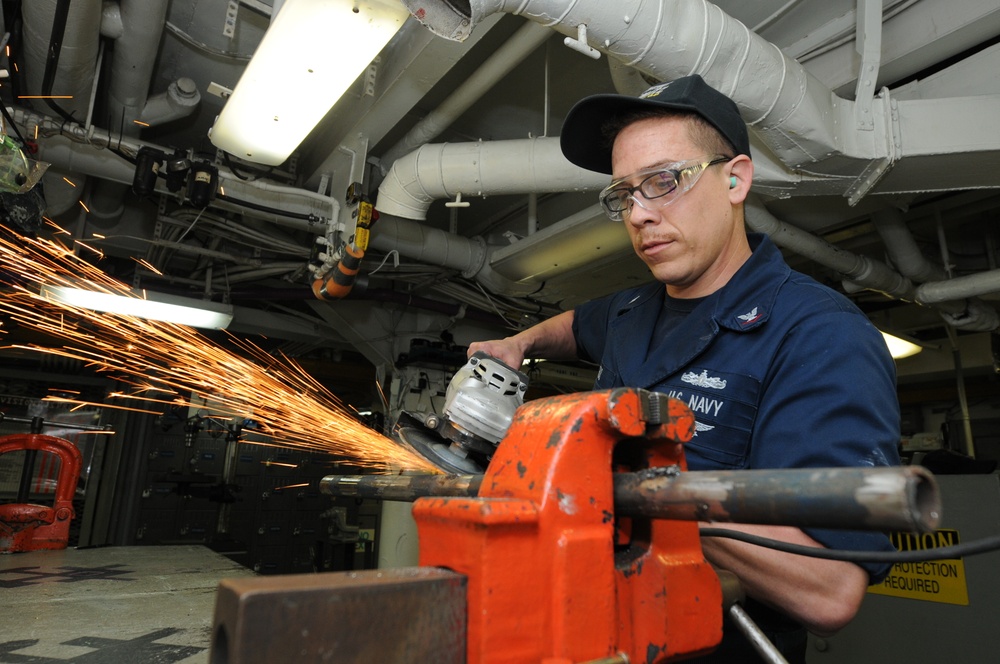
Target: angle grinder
{"type": "Point", "coordinates": [479, 405]}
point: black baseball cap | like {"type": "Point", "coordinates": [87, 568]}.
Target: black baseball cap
{"type": "Point", "coordinates": [584, 144]}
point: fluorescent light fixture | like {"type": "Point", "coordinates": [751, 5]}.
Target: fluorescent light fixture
{"type": "Point", "coordinates": [311, 53]}
{"type": "Point", "coordinates": [145, 304]}
{"type": "Point", "coordinates": [900, 348]}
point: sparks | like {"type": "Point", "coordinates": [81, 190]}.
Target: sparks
{"type": "Point", "coordinates": [164, 363]}
{"type": "Point", "coordinates": [146, 264]}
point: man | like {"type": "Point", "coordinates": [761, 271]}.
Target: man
{"type": "Point", "coordinates": [779, 370]}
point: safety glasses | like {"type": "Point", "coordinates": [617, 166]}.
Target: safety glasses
{"type": "Point", "coordinates": [663, 184]}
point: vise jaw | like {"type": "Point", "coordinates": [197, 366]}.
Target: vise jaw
{"type": "Point", "coordinates": [553, 575]}
{"type": "Point", "coordinates": [538, 568]}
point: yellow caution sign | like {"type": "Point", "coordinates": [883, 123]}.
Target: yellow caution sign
{"type": "Point", "coordinates": [928, 580]}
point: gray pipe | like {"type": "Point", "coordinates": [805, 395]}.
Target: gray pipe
{"type": "Point", "coordinates": [957, 288]}
{"type": "Point", "coordinates": [133, 61]}
{"type": "Point", "coordinates": [90, 158]}
{"type": "Point", "coordinates": [953, 298]}
{"type": "Point", "coordinates": [513, 51]}
{"type": "Point", "coordinates": [903, 249]}
{"type": "Point", "coordinates": [872, 274]}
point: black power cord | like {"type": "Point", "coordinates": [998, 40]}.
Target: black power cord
{"type": "Point", "coordinates": [957, 551]}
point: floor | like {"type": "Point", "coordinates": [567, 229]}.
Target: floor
{"type": "Point", "coordinates": [115, 605]}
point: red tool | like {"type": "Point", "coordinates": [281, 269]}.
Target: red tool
{"type": "Point", "coordinates": [28, 527]}
{"type": "Point", "coordinates": [579, 545]}
{"type": "Point", "coordinates": [548, 578]}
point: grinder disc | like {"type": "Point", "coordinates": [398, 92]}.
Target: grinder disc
{"type": "Point", "coordinates": [436, 450]}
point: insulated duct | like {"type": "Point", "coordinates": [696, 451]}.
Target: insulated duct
{"type": "Point", "coordinates": [862, 270]}
{"type": "Point", "coordinates": [432, 172]}
{"type": "Point", "coordinates": [74, 76]}
{"type": "Point", "coordinates": [970, 285]}
{"type": "Point", "coordinates": [825, 144]}
{"type": "Point", "coordinates": [797, 116]}
{"type": "Point", "coordinates": [436, 247]}
{"type": "Point", "coordinates": [134, 57]}
{"type": "Point", "coordinates": [133, 61]}
{"type": "Point", "coordinates": [903, 249]}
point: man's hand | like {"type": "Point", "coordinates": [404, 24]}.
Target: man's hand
{"type": "Point", "coordinates": [506, 350]}
{"type": "Point", "coordinates": [551, 339]}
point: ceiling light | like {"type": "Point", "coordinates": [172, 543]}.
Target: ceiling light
{"type": "Point", "coordinates": [311, 53]}
{"type": "Point", "coordinates": [145, 304]}
{"type": "Point", "coordinates": [900, 348]}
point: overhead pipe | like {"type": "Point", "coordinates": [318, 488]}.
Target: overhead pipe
{"type": "Point", "coordinates": [952, 297]}
{"type": "Point", "coordinates": [972, 285]}
{"type": "Point", "coordinates": [512, 52]}
{"type": "Point", "coordinates": [445, 170]}
{"type": "Point", "coordinates": [82, 150]}
{"type": "Point", "coordinates": [179, 101]}
{"type": "Point", "coordinates": [134, 58]}
{"type": "Point", "coordinates": [133, 62]}
{"type": "Point", "coordinates": [870, 273]}
{"type": "Point", "coordinates": [74, 78]}
{"type": "Point", "coordinates": [903, 249]}
{"type": "Point", "coordinates": [972, 315]}
{"type": "Point", "coordinates": [797, 116]}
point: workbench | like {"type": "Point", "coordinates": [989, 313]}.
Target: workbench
{"type": "Point", "coordinates": [113, 605]}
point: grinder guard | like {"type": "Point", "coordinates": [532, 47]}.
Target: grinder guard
{"type": "Point", "coordinates": [479, 406]}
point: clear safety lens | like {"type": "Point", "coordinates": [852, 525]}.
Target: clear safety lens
{"type": "Point", "coordinates": [662, 184]}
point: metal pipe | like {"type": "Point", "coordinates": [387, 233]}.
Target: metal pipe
{"type": "Point", "coordinates": [401, 487]}
{"type": "Point", "coordinates": [872, 274]}
{"type": "Point", "coordinates": [970, 285]}
{"type": "Point", "coordinates": [81, 151]}
{"type": "Point", "coordinates": [963, 401]}
{"type": "Point", "coordinates": [768, 652]}
{"type": "Point", "coordinates": [520, 45]}
{"type": "Point", "coordinates": [905, 498]}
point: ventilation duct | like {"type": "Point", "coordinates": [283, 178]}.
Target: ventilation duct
{"type": "Point", "coordinates": [436, 171]}
{"type": "Point", "coordinates": [842, 147]}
